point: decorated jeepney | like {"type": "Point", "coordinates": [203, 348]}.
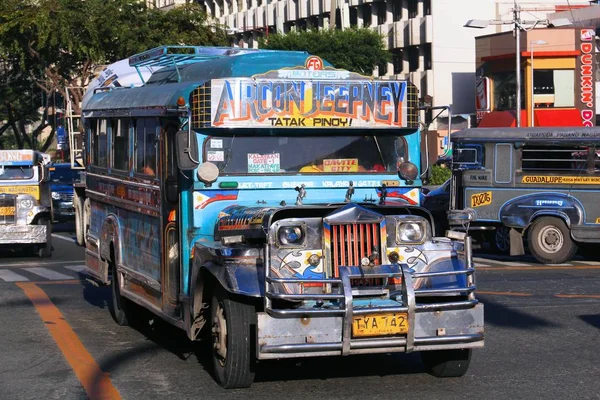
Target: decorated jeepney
{"type": "Point", "coordinates": [25, 202]}
{"type": "Point", "coordinates": [273, 202]}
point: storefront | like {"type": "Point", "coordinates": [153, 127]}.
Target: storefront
{"type": "Point", "coordinates": [557, 78]}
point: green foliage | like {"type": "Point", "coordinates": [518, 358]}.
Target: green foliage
{"type": "Point", "coordinates": [46, 45]}
{"type": "Point", "coordinates": [439, 175]}
{"type": "Point", "coordinates": [357, 49]}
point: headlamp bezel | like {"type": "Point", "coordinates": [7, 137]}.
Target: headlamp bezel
{"type": "Point", "coordinates": [421, 222]}
{"type": "Point", "coordinates": [291, 224]}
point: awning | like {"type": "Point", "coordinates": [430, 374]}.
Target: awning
{"type": "Point", "coordinates": [543, 117]}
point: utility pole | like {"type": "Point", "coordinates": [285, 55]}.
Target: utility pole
{"type": "Point", "coordinates": [517, 26]}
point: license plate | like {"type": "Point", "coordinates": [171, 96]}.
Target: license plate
{"type": "Point", "coordinates": [7, 211]}
{"type": "Point", "coordinates": [380, 324]}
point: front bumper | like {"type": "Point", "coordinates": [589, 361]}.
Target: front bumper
{"type": "Point", "coordinates": [23, 234]}
{"type": "Point", "coordinates": [63, 210]}
{"type": "Point", "coordinates": [324, 336]}
{"type": "Point", "coordinates": [441, 316]}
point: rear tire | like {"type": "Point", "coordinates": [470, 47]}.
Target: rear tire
{"type": "Point", "coordinates": [119, 305]}
{"type": "Point", "coordinates": [79, 228]}
{"type": "Point", "coordinates": [233, 348]}
{"type": "Point", "coordinates": [45, 250]}
{"type": "Point", "coordinates": [550, 241]}
{"type": "Point", "coordinates": [446, 363]}
{"type": "Point", "coordinates": [501, 239]}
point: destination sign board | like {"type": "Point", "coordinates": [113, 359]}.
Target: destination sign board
{"type": "Point", "coordinates": [16, 157]}
{"type": "Point", "coordinates": [308, 103]}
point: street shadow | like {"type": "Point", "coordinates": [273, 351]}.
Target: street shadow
{"type": "Point", "coordinates": [26, 302]}
{"type": "Point", "coordinates": [98, 296]}
{"type": "Point", "coordinates": [500, 315]}
{"type": "Point", "coordinates": [68, 227]}
{"type": "Point", "coordinates": [593, 320]}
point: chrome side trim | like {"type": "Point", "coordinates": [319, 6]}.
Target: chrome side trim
{"type": "Point", "coordinates": [348, 308]}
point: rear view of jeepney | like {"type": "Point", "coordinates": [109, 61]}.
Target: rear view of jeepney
{"type": "Point", "coordinates": [309, 238]}
{"type": "Point", "coordinates": [25, 203]}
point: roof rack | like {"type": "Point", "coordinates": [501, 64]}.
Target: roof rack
{"type": "Point", "coordinates": [176, 56]}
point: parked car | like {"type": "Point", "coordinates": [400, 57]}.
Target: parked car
{"type": "Point", "coordinates": [437, 201]}
{"type": "Point", "coordinates": [61, 185]}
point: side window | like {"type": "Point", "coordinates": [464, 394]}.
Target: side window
{"type": "Point", "coordinates": [145, 146]}
{"type": "Point", "coordinates": [555, 158]}
{"type": "Point", "coordinates": [99, 144]}
{"type": "Point", "coordinates": [120, 140]}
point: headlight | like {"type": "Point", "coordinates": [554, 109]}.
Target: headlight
{"type": "Point", "coordinates": [408, 171]}
{"type": "Point", "coordinates": [290, 235]}
{"type": "Point", "coordinates": [26, 203]}
{"type": "Point", "coordinates": [55, 195]}
{"type": "Point", "coordinates": [412, 232]}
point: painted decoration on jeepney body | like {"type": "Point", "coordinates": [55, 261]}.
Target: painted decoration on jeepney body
{"type": "Point", "coordinates": [304, 98]}
{"type": "Point", "coordinates": [297, 264]}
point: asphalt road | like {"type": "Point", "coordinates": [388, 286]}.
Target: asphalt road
{"type": "Point", "coordinates": [58, 341]}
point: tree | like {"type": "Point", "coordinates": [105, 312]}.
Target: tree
{"type": "Point", "coordinates": [47, 45]}
{"type": "Point", "coordinates": [356, 49]}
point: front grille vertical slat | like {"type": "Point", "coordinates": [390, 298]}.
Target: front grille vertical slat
{"type": "Point", "coordinates": [349, 245]}
{"type": "Point", "coordinates": [334, 246]}
{"type": "Point", "coordinates": [342, 247]}
{"type": "Point", "coordinates": [355, 243]}
{"type": "Point", "coordinates": [361, 241]}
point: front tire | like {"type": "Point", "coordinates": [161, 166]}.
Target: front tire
{"type": "Point", "coordinates": [446, 363]}
{"type": "Point", "coordinates": [45, 250]}
{"type": "Point", "coordinates": [501, 239]}
{"type": "Point", "coordinates": [550, 241]}
{"type": "Point", "coordinates": [233, 348]}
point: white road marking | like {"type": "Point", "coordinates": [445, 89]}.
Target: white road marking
{"type": "Point", "coordinates": [56, 235]}
{"type": "Point", "coordinates": [588, 262]}
{"type": "Point", "coordinates": [48, 274]}
{"type": "Point", "coordinates": [43, 263]}
{"type": "Point", "coordinates": [10, 276]}
{"type": "Point", "coordinates": [477, 265]}
{"type": "Point", "coordinates": [76, 268]}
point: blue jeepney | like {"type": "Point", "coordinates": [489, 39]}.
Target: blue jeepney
{"type": "Point", "coordinates": [272, 201]}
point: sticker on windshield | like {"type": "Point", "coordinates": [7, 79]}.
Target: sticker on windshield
{"type": "Point", "coordinates": [216, 143]}
{"type": "Point", "coordinates": [215, 156]}
{"type": "Point", "coordinates": [340, 165]}
{"type": "Point", "coordinates": [263, 163]}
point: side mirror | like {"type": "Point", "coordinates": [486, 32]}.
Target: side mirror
{"type": "Point", "coordinates": [186, 145]}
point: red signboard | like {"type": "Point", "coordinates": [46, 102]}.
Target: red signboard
{"type": "Point", "coordinates": [585, 97]}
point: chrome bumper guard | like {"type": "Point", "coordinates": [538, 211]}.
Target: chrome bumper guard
{"type": "Point", "coordinates": [335, 309]}
{"type": "Point", "coordinates": [22, 234]}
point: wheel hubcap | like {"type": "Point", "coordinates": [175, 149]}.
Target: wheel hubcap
{"type": "Point", "coordinates": [219, 334]}
{"type": "Point", "coordinates": [550, 239]}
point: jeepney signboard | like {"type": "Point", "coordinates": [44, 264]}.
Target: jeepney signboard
{"type": "Point", "coordinates": [16, 157]}
{"type": "Point", "coordinates": [301, 101]}
{"type": "Point", "coordinates": [31, 190]}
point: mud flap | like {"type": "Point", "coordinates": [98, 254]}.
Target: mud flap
{"type": "Point", "coordinates": [516, 243]}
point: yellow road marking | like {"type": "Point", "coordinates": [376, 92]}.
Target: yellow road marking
{"type": "Point", "coordinates": [505, 293]}
{"type": "Point", "coordinates": [578, 296]}
{"type": "Point", "coordinates": [96, 383]}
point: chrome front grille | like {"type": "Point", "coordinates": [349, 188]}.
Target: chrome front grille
{"type": "Point", "coordinates": [8, 209]}
{"type": "Point", "coordinates": [350, 243]}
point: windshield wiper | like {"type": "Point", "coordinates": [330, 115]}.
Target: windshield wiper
{"type": "Point", "coordinates": [379, 150]}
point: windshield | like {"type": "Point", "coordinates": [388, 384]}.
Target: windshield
{"type": "Point", "coordinates": [63, 175]}
{"type": "Point", "coordinates": [311, 154]}
{"type": "Point", "coordinates": [16, 172]}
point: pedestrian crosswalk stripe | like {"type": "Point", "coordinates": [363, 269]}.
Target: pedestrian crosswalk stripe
{"type": "Point", "coordinates": [76, 268]}
{"type": "Point", "coordinates": [8, 276]}
{"type": "Point", "coordinates": [47, 273]}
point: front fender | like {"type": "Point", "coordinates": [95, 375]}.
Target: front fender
{"type": "Point", "coordinates": [521, 211]}
{"type": "Point", "coordinates": [242, 280]}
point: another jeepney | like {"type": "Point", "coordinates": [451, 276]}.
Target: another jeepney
{"type": "Point", "coordinates": [272, 201]}
{"type": "Point", "coordinates": [538, 184]}
{"type": "Point", "coordinates": [25, 202]}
